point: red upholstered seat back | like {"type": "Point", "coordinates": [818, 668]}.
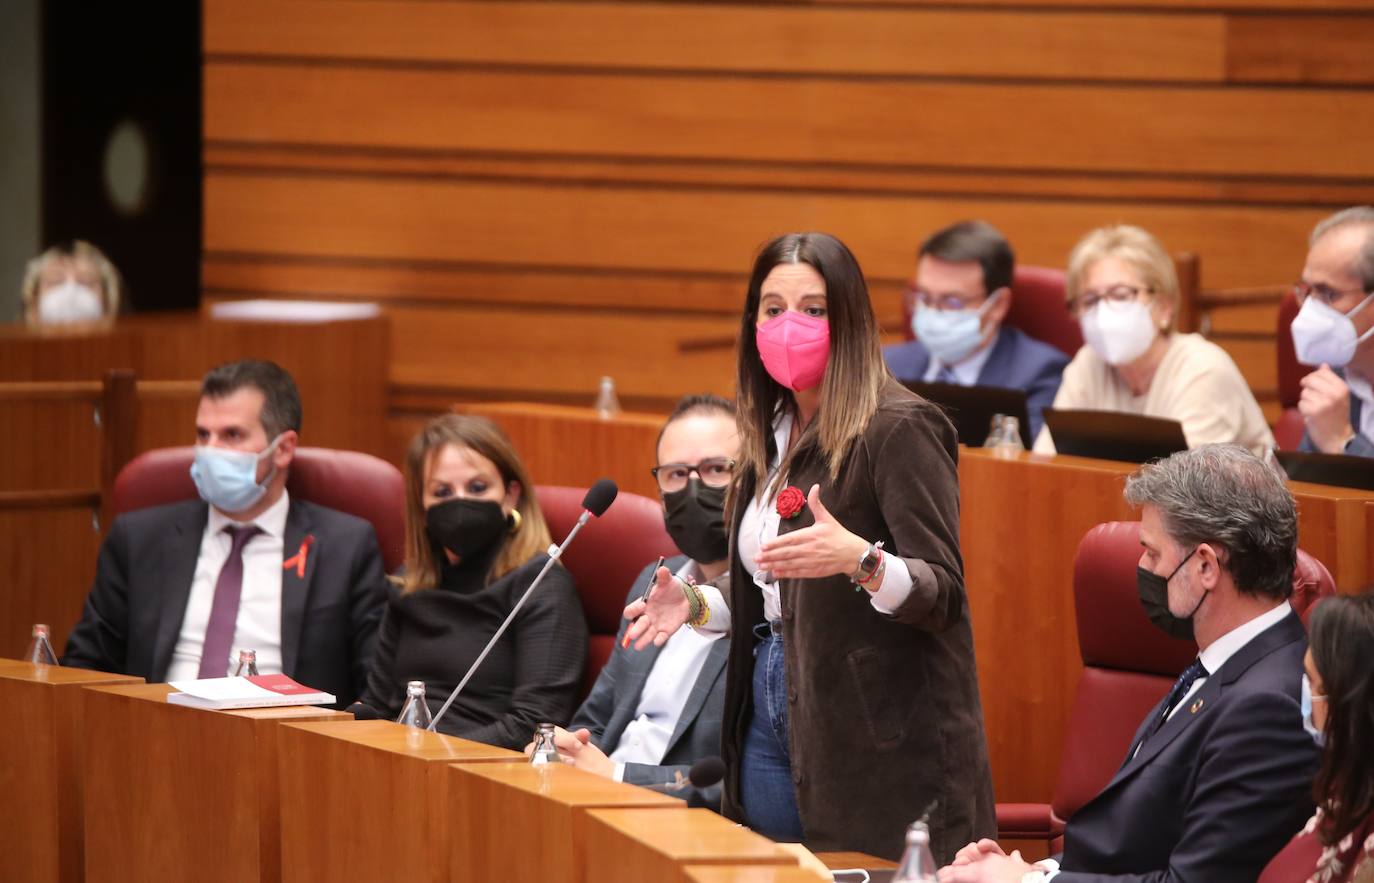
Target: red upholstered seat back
{"type": "Point", "coordinates": [348, 481]}
{"type": "Point", "coordinates": [1289, 427]}
{"type": "Point", "coordinates": [1128, 664]}
{"type": "Point", "coordinates": [1037, 308]}
{"type": "Point", "coordinates": [607, 555]}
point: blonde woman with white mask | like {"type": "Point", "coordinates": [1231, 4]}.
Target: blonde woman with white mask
{"type": "Point", "coordinates": [1123, 291]}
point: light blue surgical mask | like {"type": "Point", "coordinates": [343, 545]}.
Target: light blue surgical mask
{"type": "Point", "coordinates": [1307, 698]}
{"type": "Point", "coordinates": [950, 335]}
{"type": "Point", "coordinates": [228, 480]}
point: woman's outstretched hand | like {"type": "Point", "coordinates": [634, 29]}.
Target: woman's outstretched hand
{"type": "Point", "coordinates": [823, 549]}
{"type": "Point", "coordinates": [658, 618]}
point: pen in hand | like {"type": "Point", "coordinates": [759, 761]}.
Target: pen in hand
{"type": "Point", "coordinates": [653, 578]}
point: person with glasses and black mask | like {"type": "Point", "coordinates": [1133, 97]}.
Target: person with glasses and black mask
{"type": "Point", "coordinates": [1123, 289]}
{"type": "Point", "coordinates": [1333, 330]}
{"type": "Point", "coordinates": [652, 714]}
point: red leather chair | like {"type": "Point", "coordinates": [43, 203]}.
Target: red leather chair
{"type": "Point", "coordinates": [1288, 429]}
{"type": "Point", "coordinates": [349, 481]}
{"type": "Point", "coordinates": [1128, 666]}
{"type": "Point", "coordinates": [1038, 308]}
{"type": "Point", "coordinates": [607, 555]}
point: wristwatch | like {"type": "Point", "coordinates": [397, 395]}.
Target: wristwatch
{"type": "Point", "coordinates": [868, 563]}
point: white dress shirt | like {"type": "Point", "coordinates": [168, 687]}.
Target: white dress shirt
{"type": "Point", "coordinates": [1213, 658]}
{"type": "Point", "coordinates": [645, 739]}
{"type": "Point", "coordinates": [259, 622]}
{"type": "Point", "coordinates": [965, 372]}
{"type": "Point", "coordinates": [1360, 388]}
{"type": "Point", "coordinates": [759, 524]}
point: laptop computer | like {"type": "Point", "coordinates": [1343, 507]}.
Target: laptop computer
{"type": "Point", "coordinates": [1114, 435]}
{"type": "Point", "coordinates": [1337, 470]}
{"type": "Point", "coordinates": [971, 408]}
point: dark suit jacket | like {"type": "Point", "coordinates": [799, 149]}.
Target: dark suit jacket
{"type": "Point", "coordinates": [1359, 446]}
{"type": "Point", "coordinates": [884, 711]}
{"type": "Point", "coordinates": [612, 703]}
{"type": "Point", "coordinates": [1017, 361]}
{"type": "Point", "coordinates": [133, 615]}
{"type": "Point", "coordinates": [1217, 792]}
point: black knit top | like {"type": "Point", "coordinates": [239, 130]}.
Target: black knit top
{"type": "Point", "coordinates": [434, 635]}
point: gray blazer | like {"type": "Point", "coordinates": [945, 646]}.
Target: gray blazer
{"type": "Point", "coordinates": [614, 699]}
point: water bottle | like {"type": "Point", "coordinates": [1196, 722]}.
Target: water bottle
{"type": "Point", "coordinates": [415, 713]}
{"type": "Point", "coordinates": [40, 648]}
{"type": "Point", "coordinates": [248, 664]}
{"type": "Point", "coordinates": [607, 405]}
{"type": "Point", "coordinates": [918, 864]}
{"type": "Point", "coordinates": [1004, 437]}
{"type": "Point", "coordinates": [545, 751]}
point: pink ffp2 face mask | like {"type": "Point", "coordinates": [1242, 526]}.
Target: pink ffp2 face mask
{"type": "Point", "coordinates": [795, 348]}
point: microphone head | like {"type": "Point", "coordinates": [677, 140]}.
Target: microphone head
{"type": "Point", "coordinates": [706, 772]}
{"type": "Point", "coordinates": [600, 497]}
{"type": "Point", "coordinates": [363, 712]}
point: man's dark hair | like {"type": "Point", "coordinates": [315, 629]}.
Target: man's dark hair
{"type": "Point", "coordinates": [281, 406]}
{"type": "Point", "coordinates": [974, 241]}
{"type": "Point", "coordinates": [704, 403]}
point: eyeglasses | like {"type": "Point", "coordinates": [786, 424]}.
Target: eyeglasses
{"type": "Point", "coordinates": [942, 302]}
{"type": "Point", "coordinates": [713, 472]}
{"type": "Point", "coordinates": [1116, 297]}
{"type": "Point", "coordinates": [1325, 293]}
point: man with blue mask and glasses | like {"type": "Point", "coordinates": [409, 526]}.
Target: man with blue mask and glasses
{"type": "Point", "coordinates": [179, 588]}
{"type": "Point", "coordinates": [960, 298]}
{"type": "Point", "coordinates": [1219, 773]}
{"type": "Point", "coordinates": [1334, 331]}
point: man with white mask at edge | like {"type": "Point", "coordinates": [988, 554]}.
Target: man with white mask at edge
{"type": "Point", "coordinates": [961, 297]}
{"type": "Point", "coordinates": [1333, 330]}
{"type": "Point", "coordinates": [180, 588]}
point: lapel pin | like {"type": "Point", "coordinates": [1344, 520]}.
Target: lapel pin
{"type": "Point", "coordinates": [1196, 707]}
{"type": "Point", "coordinates": [298, 561]}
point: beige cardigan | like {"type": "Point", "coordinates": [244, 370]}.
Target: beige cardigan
{"type": "Point", "coordinates": [1196, 384]}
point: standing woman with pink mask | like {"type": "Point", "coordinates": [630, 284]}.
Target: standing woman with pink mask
{"type": "Point", "coordinates": [852, 695]}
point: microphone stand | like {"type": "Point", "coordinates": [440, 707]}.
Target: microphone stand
{"type": "Point", "coordinates": [555, 552]}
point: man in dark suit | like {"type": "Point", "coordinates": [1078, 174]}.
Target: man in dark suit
{"type": "Point", "coordinates": [961, 296]}
{"type": "Point", "coordinates": [1219, 775]}
{"type": "Point", "coordinates": [653, 713]}
{"type": "Point", "coordinates": [1335, 331]}
{"type": "Point", "coordinates": [180, 588]}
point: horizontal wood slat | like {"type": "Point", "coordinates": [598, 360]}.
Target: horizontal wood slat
{"type": "Point", "coordinates": [1079, 128]}
{"type": "Point", "coordinates": [822, 175]}
{"type": "Point", "coordinates": [1311, 49]}
{"type": "Point", "coordinates": [720, 37]}
{"type": "Point", "coordinates": [695, 231]}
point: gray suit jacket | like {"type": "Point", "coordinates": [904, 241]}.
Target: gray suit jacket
{"type": "Point", "coordinates": [615, 698]}
{"type": "Point", "coordinates": [1359, 446]}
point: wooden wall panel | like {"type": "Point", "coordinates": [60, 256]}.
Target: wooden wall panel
{"type": "Point", "coordinates": [599, 174]}
{"type": "Point", "coordinates": [758, 39]}
{"type": "Point", "coordinates": [714, 117]}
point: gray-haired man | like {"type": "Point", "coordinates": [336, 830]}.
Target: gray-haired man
{"type": "Point", "coordinates": [1219, 774]}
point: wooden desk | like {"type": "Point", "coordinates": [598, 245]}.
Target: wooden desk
{"type": "Point", "coordinates": [572, 446]}
{"type": "Point", "coordinates": [748, 874]}
{"type": "Point", "coordinates": [367, 800]}
{"type": "Point", "coordinates": [494, 809]}
{"type": "Point", "coordinates": [1021, 520]}
{"type": "Point", "coordinates": [634, 845]}
{"type": "Point", "coordinates": [176, 793]}
{"type": "Point", "coordinates": [41, 770]}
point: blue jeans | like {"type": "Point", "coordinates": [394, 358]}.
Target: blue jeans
{"type": "Point", "coordinates": [766, 790]}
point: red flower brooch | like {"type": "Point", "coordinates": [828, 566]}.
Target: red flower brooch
{"type": "Point", "coordinates": [790, 501]}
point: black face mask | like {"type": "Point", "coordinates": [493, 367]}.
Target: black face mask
{"type": "Point", "coordinates": [1154, 597]}
{"type": "Point", "coordinates": [695, 518]}
{"type": "Point", "coordinates": [465, 527]}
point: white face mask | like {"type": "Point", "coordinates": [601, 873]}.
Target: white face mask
{"type": "Point", "coordinates": [1323, 334]}
{"type": "Point", "coordinates": [950, 335]}
{"type": "Point", "coordinates": [1119, 336]}
{"type": "Point", "coordinates": [69, 302]}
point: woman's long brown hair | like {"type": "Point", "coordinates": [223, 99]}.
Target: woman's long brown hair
{"type": "Point", "coordinates": [1341, 637]}
{"type": "Point", "coordinates": [480, 435]}
{"type": "Point", "coordinates": [854, 375]}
